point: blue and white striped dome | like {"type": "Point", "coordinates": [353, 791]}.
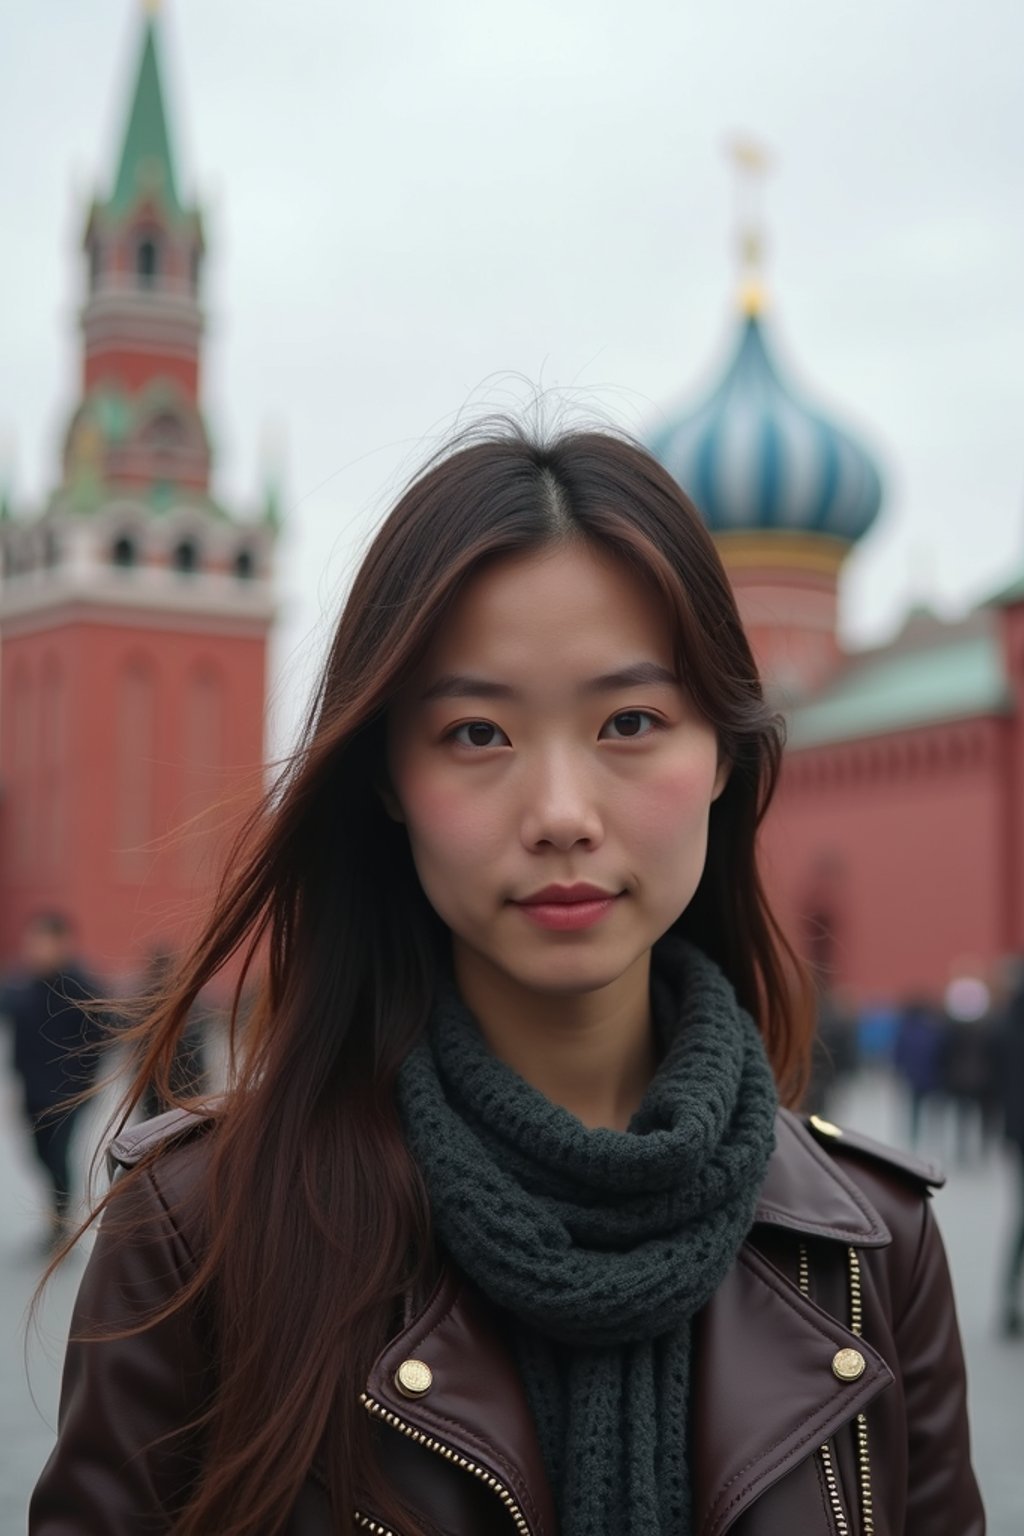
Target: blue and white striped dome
{"type": "Point", "coordinates": [754, 456]}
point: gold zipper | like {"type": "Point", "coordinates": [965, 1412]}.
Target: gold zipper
{"type": "Point", "coordinates": [440, 1449]}
{"type": "Point", "coordinates": [825, 1451]}
{"type": "Point", "coordinates": [863, 1457]}
{"type": "Point", "coordinates": [373, 1526]}
{"type": "Point", "coordinates": [832, 1483]}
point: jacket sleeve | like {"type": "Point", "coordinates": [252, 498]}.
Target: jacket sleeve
{"type": "Point", "coordinates": [942, 1491]}
{"type": "Point", "coordinates": [124, 1460]}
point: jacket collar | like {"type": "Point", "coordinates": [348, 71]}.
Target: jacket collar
{"type": "Point", "coordinates": [805, 1190]}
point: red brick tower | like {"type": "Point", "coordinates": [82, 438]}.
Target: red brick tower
{"type": "Point", "coordinates": [134, 609]}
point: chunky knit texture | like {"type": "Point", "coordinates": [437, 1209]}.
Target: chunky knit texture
{"type": "Point", "coordinates": [601, 1244]}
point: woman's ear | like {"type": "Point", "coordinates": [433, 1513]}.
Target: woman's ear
{"type": "Point", "coordinates": [389, 800]}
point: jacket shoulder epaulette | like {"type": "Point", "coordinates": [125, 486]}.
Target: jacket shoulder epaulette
{"type": "Point", "coordinates": [840, 1141]}
{"type": "Point", "coordinates": [132, 1145]}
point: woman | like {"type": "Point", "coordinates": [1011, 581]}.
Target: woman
{"type": "Point", "coordinates": [499, 1228]}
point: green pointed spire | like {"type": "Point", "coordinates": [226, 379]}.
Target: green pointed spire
{"type": "Point", "coordinates": [272, 503]}
{"type": "Point", "coordinates": [6, 463]}
{"type": "Point", "coordinates": [272, 463]}
{"type": "Point", "coordinates": [146, 161]}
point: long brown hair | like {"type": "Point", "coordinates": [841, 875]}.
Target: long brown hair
{"type": "Point", "coordinates": [316, 1218]}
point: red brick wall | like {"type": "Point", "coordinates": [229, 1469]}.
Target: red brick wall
{"type": "Point", "coordinates": [901, 843]}
{"type": "Point", "coordinates": [97, 773]}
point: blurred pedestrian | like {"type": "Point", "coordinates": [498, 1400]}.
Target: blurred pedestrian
{"type": "Point", "coordinates": [56, 1038]}
{"type": "Point", "coordinates": [918, 1057]}
{"type": "Point", "coordinates": [968, 1071]}
{"type": "Point", "coordinates": [1012, 1077]}
{"type": "Point", "coordinates": [834, 1059]}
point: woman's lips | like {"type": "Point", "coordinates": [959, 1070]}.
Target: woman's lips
{"type": "Point", "coordinates": [568, 916]}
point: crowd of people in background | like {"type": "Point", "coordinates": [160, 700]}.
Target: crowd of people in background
{"type": "Point", "coordinates": [960, 1060]}
{"type": "Point", "coordinates": [963, 1064]}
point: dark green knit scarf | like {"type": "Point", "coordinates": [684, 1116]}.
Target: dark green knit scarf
{"type": "Point", "coordinates": [601, 1244]}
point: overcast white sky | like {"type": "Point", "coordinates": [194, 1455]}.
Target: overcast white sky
{"type": "Point", "coordinates": [415, 210]}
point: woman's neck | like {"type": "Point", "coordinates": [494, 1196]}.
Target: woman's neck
{"type": "Point", "coordinates": [593, 1053]}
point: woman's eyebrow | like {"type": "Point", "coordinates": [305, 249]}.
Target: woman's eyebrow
{"type": "Point", "coordinates": [456, 685]}
{"type": "Point", "coordinates": [640, 675]}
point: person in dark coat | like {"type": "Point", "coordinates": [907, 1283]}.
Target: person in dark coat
{"type": "Point", "coordinates": [835, 1057]}
{"type": "Point", "coordinates": [969, 1073]}
{"type": "Point", "coordinates": [56, 1038]}
{"type": "Point", "coordinates": [1012, 1075]}
{"type": "Point", "coordinates": [917, 1057]}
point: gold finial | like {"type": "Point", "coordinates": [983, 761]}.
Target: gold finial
{"type": "Point", "coordinates": [152, 7]}
{"type": "Point", "coordinates": [752, 162]}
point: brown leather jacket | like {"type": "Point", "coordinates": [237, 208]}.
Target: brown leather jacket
{"type": "Point", "coordinates": [834, 1329]}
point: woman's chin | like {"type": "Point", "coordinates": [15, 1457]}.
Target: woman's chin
{"type": "Point", "coordinates": [573, 975]}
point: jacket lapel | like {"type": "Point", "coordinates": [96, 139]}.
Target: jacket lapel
{"type": "Point", "coordinates": [476, 1405]}
{"type": "Point", "coordinates": [765, 1395]}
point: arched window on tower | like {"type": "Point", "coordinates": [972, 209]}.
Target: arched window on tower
{"type": "Point", "coordinates": [147, 261]}
{"type": "Point", "coordinates": [185, 557]}
{"type": "Point", "coordinates": [123, 551]}
{"type": "Point", "coordinates": [194, 262]}
{"type": "Point", "coordinates": [135, 742]}
{"type": "Point", "coordinates": [95, 254]}
{"type": "Point", "coordinates": [245, 564]}
{"type": "Point", "coordinates": [163, 440]}
{"type": "Point", "coordinates": [52, 784]}
{"type": "Point", "coordinates": [24, 767]}
{"type": "Point", "coordinates": [202, 750]}
{"type": "Point", "coordinates": [165, 432]}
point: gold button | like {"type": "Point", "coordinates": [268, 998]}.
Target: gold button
{"type": "Point", "coordinates": [849, 1365]}
{"type": "Point", "coordinates": [414, 1378]}
{"type": "Point", "coordinates": [825, 1127]}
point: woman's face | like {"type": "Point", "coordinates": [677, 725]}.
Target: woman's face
{"type": "Point", "coordinates": [544, 745]}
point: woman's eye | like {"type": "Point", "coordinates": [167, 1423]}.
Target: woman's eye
{"type": "Point", "coordinates": [479, 733]}
{"type": "Point", "coordinates": [630, 723]}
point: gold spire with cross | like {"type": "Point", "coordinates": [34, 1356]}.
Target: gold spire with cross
{"type": "Point", "coordinates": [752, 163]}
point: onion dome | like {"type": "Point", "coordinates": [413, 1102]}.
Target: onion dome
{"type": "Point", "coordinates": [755, 455]}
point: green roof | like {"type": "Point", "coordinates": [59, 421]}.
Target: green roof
{"type": "Point", "coordinates": [891, 691]}
{"type": "Point", "coordinates": [146, 161]}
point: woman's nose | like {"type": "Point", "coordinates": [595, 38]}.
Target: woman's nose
{"type": "Point", "coordinates": [560, 808]}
